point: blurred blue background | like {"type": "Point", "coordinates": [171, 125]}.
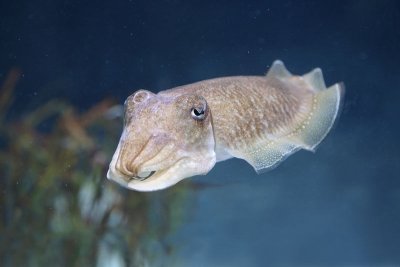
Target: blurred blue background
{"type": "Point", "coordinates": [337, 207]}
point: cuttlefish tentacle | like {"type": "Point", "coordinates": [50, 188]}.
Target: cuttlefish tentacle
{"type": "Point", "coordinates": [128, 151]}
{"type": "Point", "coordinates": [261, 119]}
{"type": "Point", "coordinates": [175, 169]}
{"type": "Point", "coordinates": [151, 150]}
{"type": "Point", "coordinates": [131, 156]}
{"type": "Point", "coordinates": [160, 160]}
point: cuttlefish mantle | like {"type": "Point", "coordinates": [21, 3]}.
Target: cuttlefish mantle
{"type": "Point", "coordinates": [184, 131]}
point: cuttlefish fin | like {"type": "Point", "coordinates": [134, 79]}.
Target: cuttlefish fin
{"type": "Point", "coordinates": [315, 79]}
{"type": "Point", "coordinates": [278, 70]}
{"type": "Point", "coordinates": [266, 153]}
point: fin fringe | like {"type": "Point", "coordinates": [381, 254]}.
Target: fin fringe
{"type": "Point", "coordinates": [266, 154]}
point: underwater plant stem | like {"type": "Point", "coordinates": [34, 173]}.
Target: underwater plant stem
{"type": "Point", "coordinates": [6, 91]}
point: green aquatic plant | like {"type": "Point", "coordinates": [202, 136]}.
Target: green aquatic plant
{"type": "Point", "coordinates": [56, 206]}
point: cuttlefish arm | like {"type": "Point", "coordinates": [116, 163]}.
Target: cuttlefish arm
{"type": "Point", "coordinates": [184, 131]}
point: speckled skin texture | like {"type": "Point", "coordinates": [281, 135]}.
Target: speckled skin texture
{"type": "Point", "coordinates": [248, 107]}
{"type": "Point", "coordinates": [261, 119]}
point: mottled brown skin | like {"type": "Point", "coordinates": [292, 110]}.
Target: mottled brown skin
{"type": "Point", "coordinates": [159, 129]}
{"type": "Point", "coordinates": [249, 107]}
{"type": "Point", "coordinates": [184, 131]}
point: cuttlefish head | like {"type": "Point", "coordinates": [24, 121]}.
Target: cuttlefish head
{"type": "Point", "coordinates": [164, 140]}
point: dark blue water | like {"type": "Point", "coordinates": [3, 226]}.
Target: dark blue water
{"type": "Point", "coordinates": [337, 207]}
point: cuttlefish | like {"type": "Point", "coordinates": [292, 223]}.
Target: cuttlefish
{"type": "Point", "coordinates": [184, 131]}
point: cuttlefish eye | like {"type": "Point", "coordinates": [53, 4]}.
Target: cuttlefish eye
{"type": "Point", "coordinates": [198, 113]}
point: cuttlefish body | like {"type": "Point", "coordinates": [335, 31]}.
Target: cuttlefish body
{"type": "Point", "coordinates": [184, 131]}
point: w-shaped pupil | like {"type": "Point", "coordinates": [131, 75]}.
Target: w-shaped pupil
{"type": "Point", "coordinates": [198, 112]}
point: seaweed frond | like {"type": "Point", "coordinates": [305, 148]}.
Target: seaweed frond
{"type": "Point", "coordinates": [56, 206]}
